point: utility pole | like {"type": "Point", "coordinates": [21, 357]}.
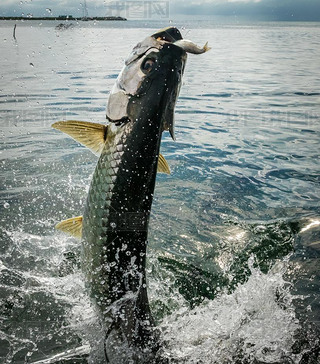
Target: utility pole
{"type": "Point", "coordinates": [85, 10]}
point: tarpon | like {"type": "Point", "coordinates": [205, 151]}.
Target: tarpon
{"type": "Point", "coordinates": [114, 225]}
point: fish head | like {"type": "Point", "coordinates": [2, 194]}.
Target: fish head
{"type": "Point", "coordinates": [148, 85]}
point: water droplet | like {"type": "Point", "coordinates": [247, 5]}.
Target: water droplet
{"type": "Point", "coordinates": [6, 205]}
{"type": "Point", "coordinates": [113, 225]}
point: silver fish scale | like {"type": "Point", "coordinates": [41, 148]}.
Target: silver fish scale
{"type": "Point", "coordinates": [96, 214]}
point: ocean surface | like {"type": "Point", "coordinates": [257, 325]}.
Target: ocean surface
{"type": "Point", "coordinates": [234, 238]}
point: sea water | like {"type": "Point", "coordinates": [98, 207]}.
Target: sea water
{"type": "Point", "coordinates": [234, 247]}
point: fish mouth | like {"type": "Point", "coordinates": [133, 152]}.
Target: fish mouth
{"type": "Point", "coordinates": [169, 34]}
{"type": "Point", "coordinates": [159, 39]}
{"type": "Point", "coordinates": [173, 35]}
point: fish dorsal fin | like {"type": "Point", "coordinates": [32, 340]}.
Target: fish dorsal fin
{"type": "Point", "coordinates": [71, 226]}
{"type": "Point", "coordinates": [163, 165]}
{"type": "Point", "coordinates": [91, 135]}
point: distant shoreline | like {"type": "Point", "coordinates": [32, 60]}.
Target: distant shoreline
{"type": "Point", "coordinates": [61, 18]}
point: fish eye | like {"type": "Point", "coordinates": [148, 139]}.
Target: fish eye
{"type": "Point", "coordinates": [148, 65]}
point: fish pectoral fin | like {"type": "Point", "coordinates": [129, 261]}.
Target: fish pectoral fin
{"type": "Point", "coordinates": [163, 166]}
{"type": "Point", "coordinates": [71, 226]}
{"type": "Point", "coordinates": [91, 135]}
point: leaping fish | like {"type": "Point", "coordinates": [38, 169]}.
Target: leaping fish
{"type": "Point", "coordinates": [114, 225]}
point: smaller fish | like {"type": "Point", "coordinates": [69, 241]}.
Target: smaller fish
{"type": "Point", "coordinates": [191, 47]}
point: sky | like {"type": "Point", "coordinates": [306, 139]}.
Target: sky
{"type": "Point", "coordinates": [297, 10]}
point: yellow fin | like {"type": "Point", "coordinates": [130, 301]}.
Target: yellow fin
{"type": "Point", "coordinates": [91, 135]}
{"type": "Point", "coordinates": [163, 165]}
{"type": "Point", "coordinates": [71, 226]}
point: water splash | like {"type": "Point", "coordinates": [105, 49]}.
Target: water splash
{"type": "Point", "coordinates": [256, 323]}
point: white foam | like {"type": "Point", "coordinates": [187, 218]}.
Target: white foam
{"type": "Point", "coordinates": [251, 323]}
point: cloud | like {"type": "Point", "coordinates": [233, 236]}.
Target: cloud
{"type": "Point", "coordinates": [307, 10]}
{"type": "Point", "coordinates": [45, 7]}
{"type": "Point", "coordinates": [254, 9]}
